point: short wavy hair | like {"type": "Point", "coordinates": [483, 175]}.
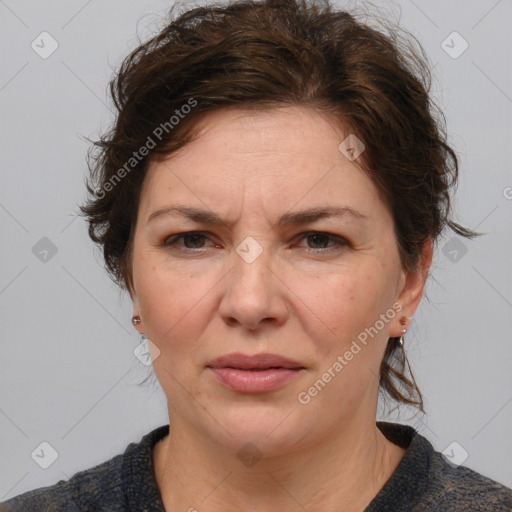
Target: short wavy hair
{"type": "Point", "coordinates": [262, 55]}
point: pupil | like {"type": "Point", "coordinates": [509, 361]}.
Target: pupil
{"type": "Point", "coordinates": [316, 237]}
{"type": "Point", "coordinates": [194, 238]}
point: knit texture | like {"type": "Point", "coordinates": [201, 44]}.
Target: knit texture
{"type": "Point", "coordinates": [423, 481]}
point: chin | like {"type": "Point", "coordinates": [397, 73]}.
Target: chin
{"type": "Point", "coordinates": [269, 426]}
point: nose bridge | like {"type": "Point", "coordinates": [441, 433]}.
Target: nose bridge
{"type": "Point", "coordinates": [252, 263]}
{"type": "Point", "coordinates": [252, 294]}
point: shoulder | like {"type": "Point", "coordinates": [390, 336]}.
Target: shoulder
{"type": "Point", "coordinates": [462, 489]}
{"type": "Point", "coordinates": [99, 487]}
{"type": "Point", "coordinates": [125, 482]}
{"type": "Point", "coordinates": [426, 481]}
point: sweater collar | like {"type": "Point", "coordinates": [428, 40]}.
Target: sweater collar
{"type": "Point", "coordinates": [410, 479]}
{"type": "Point", "coordinates": [405, 486]}
{"type": "Point", "coordinates": [138, 474]}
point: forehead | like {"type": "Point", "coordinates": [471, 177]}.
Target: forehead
{"type": "Point", "coordinates": [260, 127]}
{"type": "Point", "coordinates": [275, 157]}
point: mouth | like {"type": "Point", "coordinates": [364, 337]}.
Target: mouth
{"type": "Point", "coordinates": [261, 369]}
{"type": "Point", "coordinates": [265, 361]}
{"type": "Point", "coordinates": [260, 373]}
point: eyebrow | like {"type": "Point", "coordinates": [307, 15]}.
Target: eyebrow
{"type": "Point", "coordinates": [291, 218]}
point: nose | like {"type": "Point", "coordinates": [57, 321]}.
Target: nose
{"type": "Point", "coordinates": [254, 294]}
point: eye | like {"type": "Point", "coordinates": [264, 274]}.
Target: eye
{"type": "Point", "coordinates": [319, 240]}
{"type": "Point", "coordinates": [193, 240]}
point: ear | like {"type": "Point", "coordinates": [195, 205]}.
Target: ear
{"type": "Point", "coordinates": [411, 290]}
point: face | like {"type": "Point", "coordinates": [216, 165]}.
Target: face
{"type": "Point", "coordinates": [324, 290]}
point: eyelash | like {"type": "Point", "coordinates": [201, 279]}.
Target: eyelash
{"type": "Point", "coordinates": [338, 241]}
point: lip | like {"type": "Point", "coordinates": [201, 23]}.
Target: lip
{"type": "Point", "coordinates": [259, 373]}
{"type": "Point", "coordinates": [254, 362]}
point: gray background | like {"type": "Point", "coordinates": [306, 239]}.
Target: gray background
{"type": "Point", "coordinates": [68, 375]}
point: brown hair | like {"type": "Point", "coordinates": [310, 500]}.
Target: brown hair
{"type": "Point", "coordinates": [262, 55]}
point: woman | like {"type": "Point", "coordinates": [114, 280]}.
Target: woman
{"type": "Point", "coordinates": [269, 197]}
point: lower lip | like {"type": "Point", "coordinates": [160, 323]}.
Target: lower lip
{"type": "Point", "coordinates": [254, 381]}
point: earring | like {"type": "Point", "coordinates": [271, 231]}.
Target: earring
{"type": "Point", "coordinates": [136, 320]}
{"type": "Point", "coordinates": [403, 321]}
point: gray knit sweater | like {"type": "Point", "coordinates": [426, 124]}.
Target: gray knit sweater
{"type": "Point", "coordinates": [423, 481]}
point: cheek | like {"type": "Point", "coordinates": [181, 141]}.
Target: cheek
{"type": "Point", "coordinates": [172, 303]}
{"type": "Point", "coordinates": [348, 351]}
{"type": "Point", "coordinates": [348, 304]}
{"type": "Point", "coordinates": [340, 305]}
{"type": "Point", "coordinates": [174, 307]}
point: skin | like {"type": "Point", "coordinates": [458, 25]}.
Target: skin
{"type": "Point", "coordinates": [303, 298]}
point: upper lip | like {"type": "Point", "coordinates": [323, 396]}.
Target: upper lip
{"type": "Point", "coordinates": [256, 361]}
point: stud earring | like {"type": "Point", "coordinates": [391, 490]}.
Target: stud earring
{"type": "Point", "coordinates": [136, 320]}
{"type": "Point", "coordinates": [403, 321]}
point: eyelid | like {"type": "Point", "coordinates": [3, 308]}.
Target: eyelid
{"type": "Point", "coordinates": [337, 241]}
{"type": "Point", "coordinates": [170, 240]}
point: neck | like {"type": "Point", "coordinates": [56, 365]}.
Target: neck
{"type": "Point", "coordinates": [344, 474]}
